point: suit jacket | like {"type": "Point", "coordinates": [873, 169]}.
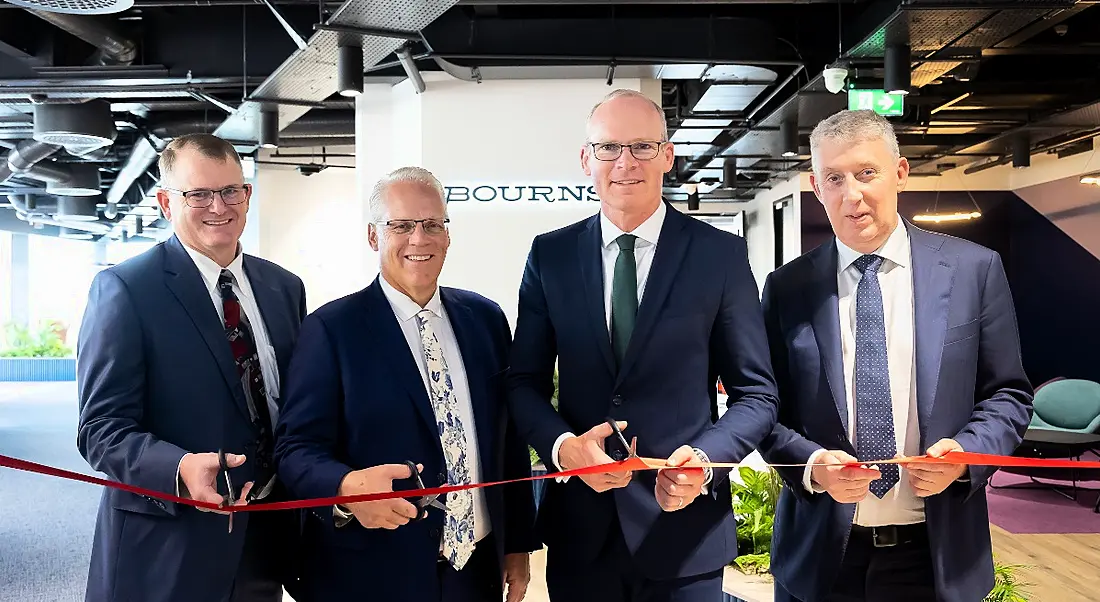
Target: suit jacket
{"type": "Point", "coordinates": [970, 386]}
{"type": "Point", "coordinates": [157, 380]}
{"type": "Point", "coordinates": [356, 399]}
{"type": "Point", "coordinates": [699, 319]}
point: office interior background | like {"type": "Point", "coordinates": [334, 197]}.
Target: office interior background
{"type": "Point", "coordinates": [996, 106]}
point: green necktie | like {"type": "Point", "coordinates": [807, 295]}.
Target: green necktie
{"type": "Point", "coordinates": [624, 296]}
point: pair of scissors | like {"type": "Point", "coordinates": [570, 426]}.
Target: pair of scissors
{"type": "Point", "coordinates": [231, 495]}
{"type": "Point", "coordinates": [631, 449]}
{"type": "Point", "coordinates": [425, 501]}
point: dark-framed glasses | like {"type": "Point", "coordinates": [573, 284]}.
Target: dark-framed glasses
{"type": "Point", "coordinates": [433, 226]}
{"type": "Point", "coordinates": [610, 151]}
{"type": "Point", "coordinates": [203, 197]}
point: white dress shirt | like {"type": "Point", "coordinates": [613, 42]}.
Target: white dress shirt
{"type": "Point", "coordinates": [406, 309]}
{"type": "Point", "coordinates": [210, 272]}
{"type": "Point", "coordinates": [900, 505]}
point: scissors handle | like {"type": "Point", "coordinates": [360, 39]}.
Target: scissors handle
{"type": "Point", "coordinates": [629, 448]}
{"type": "Point", "coordinates": [415, 482]}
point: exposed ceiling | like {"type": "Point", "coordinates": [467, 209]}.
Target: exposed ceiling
{"type": "Point", "coordinates": [984, 74]}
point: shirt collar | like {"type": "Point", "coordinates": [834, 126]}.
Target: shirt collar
{"type": "Point", "coordinates": [403, 305]}
{"type": "Point", "coordinates": [895, 249]}
{"type": "Point", "coordinates": [211, 271]}
{"type": "Point", "coordinates": [649, 230]}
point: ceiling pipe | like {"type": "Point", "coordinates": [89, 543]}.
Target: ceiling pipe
{"type": "Point", "coordinates": [23, 160]}
{"type": "Point", "coordinates": [114, 48]}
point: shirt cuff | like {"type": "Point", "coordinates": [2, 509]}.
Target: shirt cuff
{"type": "Point", "coordinates": [340, 516]}
{"type": "Point", "coordinates": [807, 476]}
{"type": "Point", "coordinates": [179, 481]}
{"type": "Point", "coordinates": [554, 454]}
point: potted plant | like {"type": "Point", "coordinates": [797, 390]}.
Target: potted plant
{"type": "Point", "coordinates": [37, 356]}
{"type": "Point", "coordinates": [754, 500]}
{"type": "Point", "coordinates": [1007, 586]}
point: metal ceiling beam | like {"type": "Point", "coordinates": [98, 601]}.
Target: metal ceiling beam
{"type": "Point", "coordinates": [634, 2]}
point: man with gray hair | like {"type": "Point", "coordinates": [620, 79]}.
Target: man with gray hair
{"type": "Point", "coordinates": [886, 341]}
{"type": "Point", "coordinates": [407, 371]}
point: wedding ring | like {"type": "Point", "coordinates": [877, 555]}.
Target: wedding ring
{"type": "Point", "coordinates": [681, 504]}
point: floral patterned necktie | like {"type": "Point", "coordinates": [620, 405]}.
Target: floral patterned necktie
{"type": "Point", "coordinates": [458, 528]}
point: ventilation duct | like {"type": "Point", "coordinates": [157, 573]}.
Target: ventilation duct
{"type": "Point", "coordinates": [80, 128]}
{"type": "Point", "coordinates": [80, 179]}
{"type": "Point", "coordinates": [71, 16]}
{"type": "Point", "coordinates": [24, 160]}
{"type": "Point", "coordinates": [77, 208]}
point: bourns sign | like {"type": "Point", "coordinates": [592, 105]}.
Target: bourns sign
{"type": "Point", "coordinates": [485, 193]}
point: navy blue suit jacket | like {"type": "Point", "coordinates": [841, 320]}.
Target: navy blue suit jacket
{"type": "Point", "coordinates": [355, 399]}
{"type": "Point", "coordinates": [699, 319]}
{"type": "Point", "coordinates": [971, 387]}
{"type": "Point", "coordinates": [157, 380]}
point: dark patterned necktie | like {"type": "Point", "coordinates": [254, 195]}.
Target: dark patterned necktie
{"type": "Point", "coordinates": [875, 438]}
{"type": "Point", "coordinates": [624, 297]}
{"type": "Point", "coordinates": [243, 345]}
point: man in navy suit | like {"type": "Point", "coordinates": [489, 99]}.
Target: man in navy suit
{"type": "Point", "coordinates": [887, 340]}
{"type": "Point", "coordinates": [407, 371]}
{"type": "Point", "coordinates": [179, 356]}
{"type": "Point", "coordinates": [643, 308]}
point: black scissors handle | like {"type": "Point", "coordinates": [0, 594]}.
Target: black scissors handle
{"type": "Point", "coordinates": [629, 448]}
{"type": "Point", "coordinates": [231, 495]}
{"type": "Point", "coordinates": [415, 482]}
{"type": "Point", "coordinates": [223, 466]}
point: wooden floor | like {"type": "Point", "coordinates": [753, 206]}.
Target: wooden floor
{"type": "Point", "coordinates": [1060, 568]}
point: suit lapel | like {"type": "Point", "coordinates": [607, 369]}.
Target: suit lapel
{"type": "Point", "coordinates": [826, 324]}
{"type": "Point", "coordinates": [406, 369]}
{"type": "Point", "coordinates": [185, 282]}
{"type": "Point", "coordinates": [933, 273]}
{"type": "Point", "coordinates": [590, 258]}
{"type": "Point", "coordinates": [270, 309]}
{"type": "Point", "coordinates": [469, 337]}
{"type": "Point", "coordinates": [671, 248]}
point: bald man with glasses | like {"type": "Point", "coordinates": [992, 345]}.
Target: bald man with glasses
{"type": "Point", "coordinates": [179, 357]}
{"type": "Point", "coordinates": [642, 309]}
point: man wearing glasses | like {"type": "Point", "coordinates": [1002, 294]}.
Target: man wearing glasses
{"type": "Point", "coordinates": [407, 371]}
{"type": "Point", "coordinates": [643, 309]}
{"type": "Point", "coordinates": [179, 358]}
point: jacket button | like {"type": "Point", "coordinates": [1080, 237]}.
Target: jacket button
{"type": "Point", "coordinates": [617, 400]}
{"type": "Point", "coordinates": [617, 455]}
{"type": "Point", "coordinates": [442, 477]}
{"type": "Point", "coordinates": [434, 534]}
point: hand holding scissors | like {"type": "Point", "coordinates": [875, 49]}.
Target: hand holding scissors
{"type": "Point", "coordinates": [380, 514]}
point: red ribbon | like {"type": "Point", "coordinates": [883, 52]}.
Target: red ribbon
{"type": "Point", "coordinates": [630, 464]}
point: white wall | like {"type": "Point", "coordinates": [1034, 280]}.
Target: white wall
{"type": "Point", "coordinates": [312, 226]}
{"type": "Point", "coordinates": [526, 132]}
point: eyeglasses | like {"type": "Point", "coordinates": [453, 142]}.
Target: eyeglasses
{"type": "Point", "coordinates": [403, 227]}
{"type": "Point", "coordinates": [610, 151]}
{"type": "Point", "coordinates": [201, 198]}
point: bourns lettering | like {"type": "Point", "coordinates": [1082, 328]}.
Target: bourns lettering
{"type": "Point", "coordinates": [514, 194]}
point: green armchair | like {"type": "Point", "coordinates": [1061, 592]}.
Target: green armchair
{"type": "Point", "coordinates": [1065, 424]}
{"type": "Point", "coordinates": [1067, 404]}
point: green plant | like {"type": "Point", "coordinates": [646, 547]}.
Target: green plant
{"type": "Point", "coordinates": [754, 564]}
{"type": "Point", "coordinates": [754, 501]}
{"type": "Point", "coordinates": [47, 342]}
{"type": "Point", "coordinates": [1007, 586]}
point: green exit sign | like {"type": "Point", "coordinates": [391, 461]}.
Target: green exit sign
{"type": "Point", "coordinates": [876, 100]}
